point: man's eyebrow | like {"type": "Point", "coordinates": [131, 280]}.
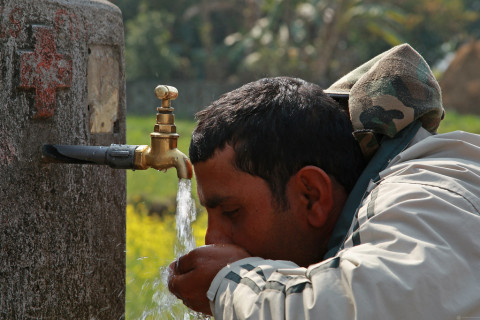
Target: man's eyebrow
{"type": "Point", "coordinates": [215, 201]}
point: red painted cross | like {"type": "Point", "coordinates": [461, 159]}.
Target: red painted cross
{"type": "Point", "coordinates": [45, 70]}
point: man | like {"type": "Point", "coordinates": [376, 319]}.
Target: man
{"type": "Point", "coordinates": [300, 227]}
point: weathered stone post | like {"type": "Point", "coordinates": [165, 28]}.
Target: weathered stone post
{"type": "Point", "coordinates": [62, 226]}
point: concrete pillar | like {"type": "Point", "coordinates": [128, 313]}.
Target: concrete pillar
{"type": "Point", "coordinates": [62, 226]}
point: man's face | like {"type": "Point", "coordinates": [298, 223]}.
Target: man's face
{"type": "Point", "coordinates": [241, 211]}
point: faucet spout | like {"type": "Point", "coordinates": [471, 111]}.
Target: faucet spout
{"type": "Point", "coordinates": [183, 165]}
{"type": "Point", "coordinates": [152, 157]}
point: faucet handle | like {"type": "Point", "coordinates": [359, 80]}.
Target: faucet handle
{"type": "Point", "coordinates": [164, 92]}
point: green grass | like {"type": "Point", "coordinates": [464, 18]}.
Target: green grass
{"type": "Point", "coordinates": [455, 121]}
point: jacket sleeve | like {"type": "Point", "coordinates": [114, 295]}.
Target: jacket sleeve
{"type": "Point", "coordinates": [411, 255]}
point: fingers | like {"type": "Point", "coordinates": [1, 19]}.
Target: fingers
{"type": "Point", "coordinates": [191, 288]}
{"type": "Point", "coordinates": [180, 274]}
{"type": "Point", "coordinates": [186, 287]}
{"type": "Point", "coordinates": [190, 275]}
{"type": "Point", "coordinates": [185, 263]}
{"type": "Point", "coordinates": [175, 271]}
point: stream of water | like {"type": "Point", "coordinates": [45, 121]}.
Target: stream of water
{"type": "Point", "coordinates": [186, 214]}
{"type": "Point", "coordinates": [168, 306]}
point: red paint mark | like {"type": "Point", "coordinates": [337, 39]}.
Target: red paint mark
{"type": "Point", "coordinates": [14, 25]}
{"type": "Point", "coordinates": [45, 70]}
{"type": "Point", "coordinates": [69, 19]}
{"type": "Point", "coordinates": [88, 28]}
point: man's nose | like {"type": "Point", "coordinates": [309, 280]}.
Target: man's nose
{"type": "Point", "coordinates": [217, 232]}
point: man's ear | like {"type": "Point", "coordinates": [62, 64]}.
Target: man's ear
{"type": "Point", "coordinates": [317, 199]}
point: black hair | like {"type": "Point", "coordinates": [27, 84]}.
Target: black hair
{"type": "Point", "coordinates": [277, 126]}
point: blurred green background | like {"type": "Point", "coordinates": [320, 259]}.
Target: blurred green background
{"type": "Point", "coordinates": [317, 40]}
{"type": "Point", "coordinates": [207, 47]}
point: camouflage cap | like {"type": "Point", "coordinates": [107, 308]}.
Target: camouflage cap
{"type": "Point", "coordinates": [388, 93]}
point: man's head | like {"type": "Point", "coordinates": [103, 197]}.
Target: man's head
{"type": "Point", "coordinates": [274, 161]}
{"type": "Point", "coordinates": [277, 126]}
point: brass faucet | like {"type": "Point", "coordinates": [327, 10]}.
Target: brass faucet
{"type": "Point", "coordinates": [163, 152]}
{"type": "Point", "coordinates": [161, 155]}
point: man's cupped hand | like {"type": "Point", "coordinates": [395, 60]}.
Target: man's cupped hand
{"type": "Point", "coordinates": [190, 275]}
